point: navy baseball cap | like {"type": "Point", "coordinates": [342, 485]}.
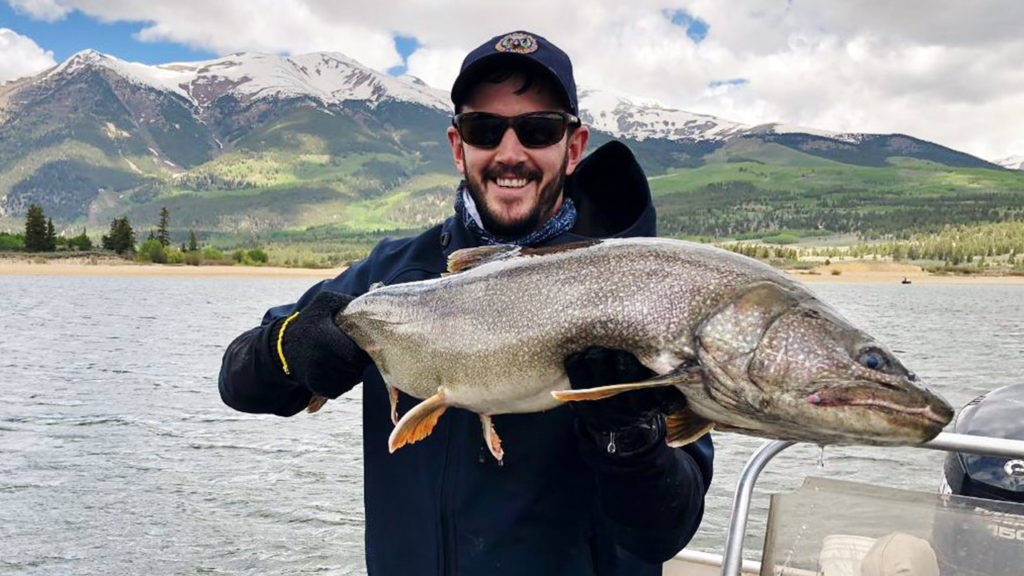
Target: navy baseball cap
{"type": "Point", "coordinates": [517, 47]}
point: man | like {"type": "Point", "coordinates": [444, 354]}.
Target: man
{"type": "Point", "coordinates": [585, 490]}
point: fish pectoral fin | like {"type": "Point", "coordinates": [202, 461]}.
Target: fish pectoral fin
{"type": "Point", "coordinates": [491, 438]}
{"type": "Point", "coordinates": [468, 258]}
{"type": "Point", "coordinates": [316, 402]}
{"type": "Point", "coordinates": [685, 427]}
{"type": "Point", "coordinates": [419, 422]}
{"type": "Point", "coordinates": [601, 392]}
{"type": "Point", "coordinates": [685, 374]}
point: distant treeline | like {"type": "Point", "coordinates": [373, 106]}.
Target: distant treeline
{"type": "Point", "coordinates": [955, 245]}
{"type": "Point", "coordinates": [999, 244]}
{"type": "Point", "coordinates": [724, 209]}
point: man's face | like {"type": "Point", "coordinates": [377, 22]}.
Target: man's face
{"type": "Point", "coordinates": [516, 189]}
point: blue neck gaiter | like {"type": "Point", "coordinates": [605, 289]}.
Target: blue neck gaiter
{"type": "Point", "coordinates": [562, 221]}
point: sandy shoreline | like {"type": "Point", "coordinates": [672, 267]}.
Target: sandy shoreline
{"type": "Point", "coordinates": [853, 272]}
{"type": "Point", "coordinates": [112, 267]}
{"type": "Point", "coordinates": [871, 272]}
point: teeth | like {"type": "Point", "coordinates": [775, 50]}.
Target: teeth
{"type": "Point", "coordinates": [512, 182]}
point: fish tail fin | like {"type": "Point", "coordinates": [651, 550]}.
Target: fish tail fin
{"type": "Point", "coordinates": [419, 422]}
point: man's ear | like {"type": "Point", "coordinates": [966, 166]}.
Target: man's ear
{"type": "Point", "coordinates": [457, 149]}
{"type": "Point", "coordinates": [577, 144]}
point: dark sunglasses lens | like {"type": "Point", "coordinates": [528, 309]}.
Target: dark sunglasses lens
{"type": "Point", "coordinates": [539, 131]}
{"type": "Point", "coordinates": [482, 131]}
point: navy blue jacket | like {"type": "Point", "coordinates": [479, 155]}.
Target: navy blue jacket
{"type": "Point", "coordinates": [558, 504]}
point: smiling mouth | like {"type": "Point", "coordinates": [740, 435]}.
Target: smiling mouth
{"type": "Point", "coordinates": [511, 182]}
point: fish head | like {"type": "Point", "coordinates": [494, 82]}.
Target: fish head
{"type": "Point", "coordinates": [797, 370]}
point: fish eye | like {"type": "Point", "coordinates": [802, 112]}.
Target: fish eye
{"type": "Point", "coordinates": [873, 359]}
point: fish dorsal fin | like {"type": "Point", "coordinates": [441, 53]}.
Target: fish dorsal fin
{"type": "Point", "coordinates": [469, 258]}
{"type": "Point", "coordinates": [567, 247]}
{"type": "Point", "coordinates": [684, 427]}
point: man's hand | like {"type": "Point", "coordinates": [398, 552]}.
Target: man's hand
{"type": "Point", "coordinates": [314, 352]}
{"type": "Point", "coordinates": [629, 422]}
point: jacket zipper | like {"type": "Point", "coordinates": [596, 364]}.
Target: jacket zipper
{"type": "Point", "coordinates": [448, 561]}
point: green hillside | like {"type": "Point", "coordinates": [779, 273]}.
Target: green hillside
{"type": "Point", "coordinates": [768, 188]}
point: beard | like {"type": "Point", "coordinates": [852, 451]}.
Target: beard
{"type": "Point", "coordinates": [535, 217]}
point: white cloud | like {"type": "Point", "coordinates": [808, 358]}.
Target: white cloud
{"type": "Point", "coordinates": [20, 56]}
{"type": "Point", "coordinates": [48, 10]}
{"type": "Point", "coordinates": [948, 72]}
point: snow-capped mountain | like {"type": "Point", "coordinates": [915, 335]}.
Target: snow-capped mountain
{"type": "Point", "coordinates": [328, 77]}
{"type": "Point", "coordinates": [624, 116]}
{"type": "Point", "coordinates": [1012, 162]}
{"type": "Point", "coordinates": [331, 78]}
{"type": "Point", "coordinates": [97, 131]}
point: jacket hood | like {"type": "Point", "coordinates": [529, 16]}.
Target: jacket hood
{"type": "Point", "coordinates": [611, 194]}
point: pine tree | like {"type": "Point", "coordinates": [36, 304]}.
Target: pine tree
{"type": "Point", "coordinates": [51, 236]}
{"type": "Point", "coordinates": [80, 242]}
{"type": "Point", "coordinates": [35, 229]}
{"type": "Point", "coordinates": [162, 233]}
{"type": "Point", "coordinates": [192, 244]}
{"type": "Point", "coordinates": [121, 238]}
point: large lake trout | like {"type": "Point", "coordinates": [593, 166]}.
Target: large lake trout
{"type": "Point", "coordinates": [751, 350]}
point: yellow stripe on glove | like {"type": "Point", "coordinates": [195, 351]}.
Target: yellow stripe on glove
{"type": "Point", "coordinates": [280, 341]}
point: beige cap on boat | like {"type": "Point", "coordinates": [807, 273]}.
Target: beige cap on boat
{"type": "Point", "coordinates": [900, 554]}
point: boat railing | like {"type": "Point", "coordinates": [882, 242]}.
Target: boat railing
{"type": "Point", "coordinates": [733, 558]}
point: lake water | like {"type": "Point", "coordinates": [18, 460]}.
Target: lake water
{"type": "Point", "coordinates": [117, 456]}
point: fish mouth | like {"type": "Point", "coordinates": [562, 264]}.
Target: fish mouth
{"type": "Point", "coordinates": [938, 412]}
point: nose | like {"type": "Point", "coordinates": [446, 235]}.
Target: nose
{"type": "Point", "coordinates": [509, 150]}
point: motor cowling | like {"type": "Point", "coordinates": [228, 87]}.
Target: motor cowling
{"type": "Point", "coordinates": [997, 414]}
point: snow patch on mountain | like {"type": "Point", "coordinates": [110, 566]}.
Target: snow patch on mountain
{"type": "Point", "coordinates": [640, 118]}
{"type": "Point", "coordinates": [157, 77]}
{"type": "Point", "coordinates": [330, 78]}
{"type": "Point", "coordinates": [1012, 162]}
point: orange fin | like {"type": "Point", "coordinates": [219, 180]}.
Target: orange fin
{"type": "Point", "coordinates": [685, 427]}
{"type": "Point", "coordinates": [491, 438]}
{"type": "Point", "coordinates": [601, 392]}
{"type": "Point", "coordinates": [685, 374]}
{"type": "Point", "coordinates": [419, 422]}
{"type": "Point", "coordinates": [393, 399]}
{"type": "Point", "coordinates": [315, 403]}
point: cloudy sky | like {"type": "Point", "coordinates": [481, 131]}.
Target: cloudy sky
{"type": "Point", "coordinates": [949, 71]}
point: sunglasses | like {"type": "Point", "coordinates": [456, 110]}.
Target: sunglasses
{"type": "Point", "coordinates": [534, 130]}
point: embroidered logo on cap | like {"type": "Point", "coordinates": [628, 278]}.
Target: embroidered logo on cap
{"type": "Point", "coordinates": [518, 43]}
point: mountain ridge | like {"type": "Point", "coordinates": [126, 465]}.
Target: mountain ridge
{"type": "Point", "coordinates": [96, 136]}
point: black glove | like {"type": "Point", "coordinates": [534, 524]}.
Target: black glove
{"type": "Point", "coordinates": [629, 422]}
{"type": "Point", "coordinates": [313, 352]}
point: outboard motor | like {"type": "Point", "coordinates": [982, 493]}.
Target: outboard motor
{"type": "Point", "coordinates": [991, 540]}
{"type": "Point", "coordinates": [998, 414]}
